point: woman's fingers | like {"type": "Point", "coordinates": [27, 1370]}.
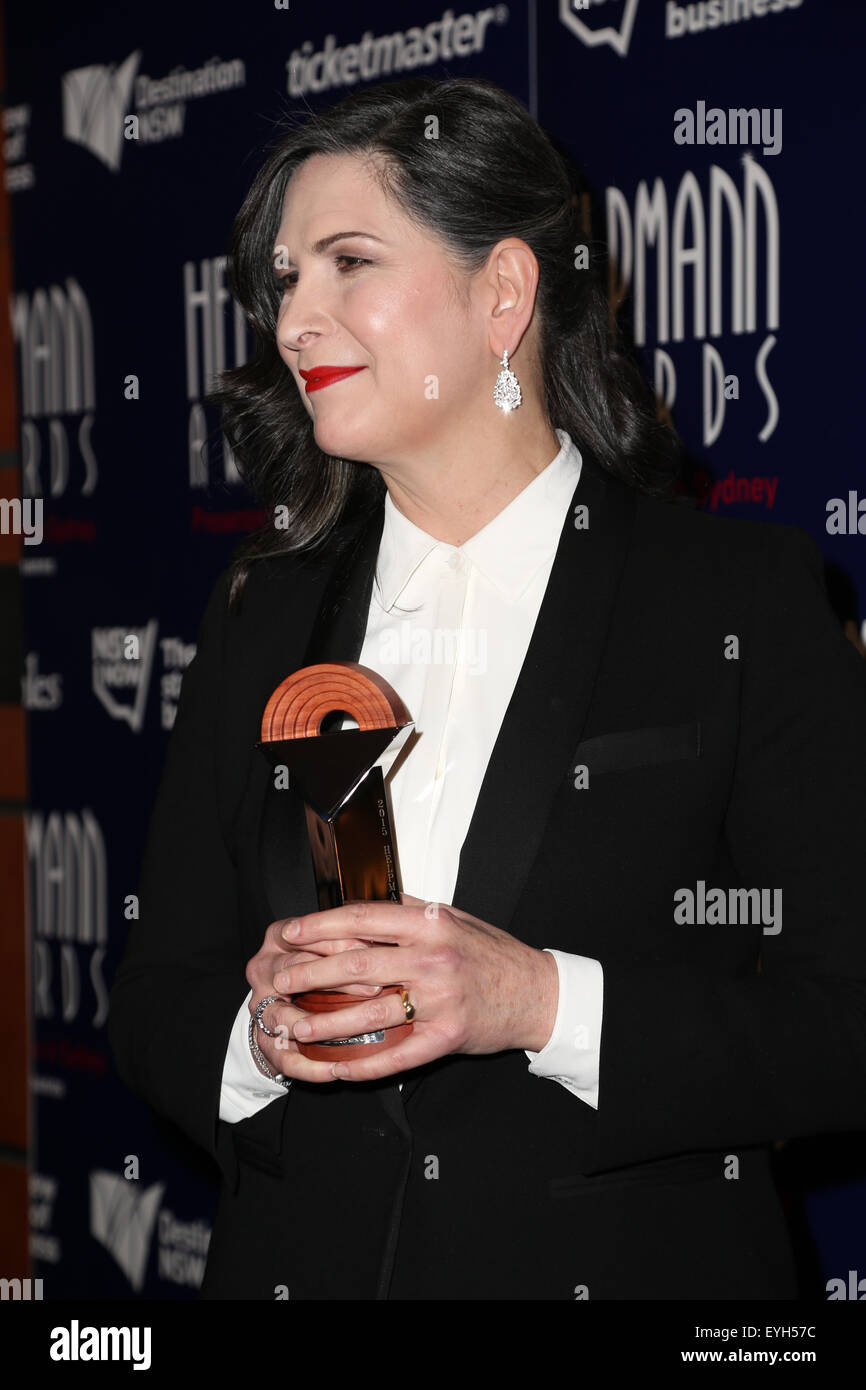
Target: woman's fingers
{"type": "Point", "coordinates": [276, 940]}
{"type": "Point", "coordinates": [365, 991]}
{"type": "Point", "coordinates": [281, 961]}
{"type": "Point", "coordinates": [386, 1012]}
{"type": "Point", "coordinates": [370, 964]}
{"type": "Point", "coordinates": [284, 1057]}
{"type": "Point", "coordinates": [394, 923]}
{"type": "Point", "coordinates": [421, 1046]}
{"type": "Point", "coordinates": [316, 949]}
{"type": "Point", "coordinates": [276, 953]}
{"type": "Point", "coordinates": [281, 1053]}
{"type": "Point", "coordinates": [327, 948]}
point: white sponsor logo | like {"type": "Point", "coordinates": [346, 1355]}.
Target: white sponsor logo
{"type": "Point", "coordinates": [39, 565]}
{"type": "Point", "coordinates": [699, 15]}
{"type": "Point", "coordinates": [123, 660]}
{"type": "Point", "coordinates": [176, 656]}
{"type": "Point", "coordinates": [213, 340]}
{"type": "Point", "coordinates": [68, 908]}
{"type": "Point", "coordinates": [614, 25]}
{"type": "Point", "coordinates": [374, 57]}
{"type": "Point", "coordinates": [16, 123]}
{"type": "Point", "coordinates": [40, 691]}
{"type": "Point", "coordinates": [597, 22]}
{"type": "Point", "coordinates": [55, 1089]}
{"type": "Point", "coordinates": [122, 1219]}
{"type": "Point", "coordinates": [97, 102]}
{"type": "Point", "coordinates": [183, 1247]}
{"type": "Point", "coordinates": [714, 256]}
{"type": "Point", "coordinates": [42, 1191]}
{"type": "Point", "coordinates": [53, 328]}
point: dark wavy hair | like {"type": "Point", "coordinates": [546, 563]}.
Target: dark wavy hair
{"type": "Point", "coordinates": [492, 173]}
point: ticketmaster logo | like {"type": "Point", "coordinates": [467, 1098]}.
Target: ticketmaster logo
{"type": "Point", "coordinates": [375, 57]}
{"type": "Point", "coordinates": [122, 1219]}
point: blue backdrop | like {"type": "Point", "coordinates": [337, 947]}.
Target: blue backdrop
{"type": "Point", "coordinates": [737, 248]}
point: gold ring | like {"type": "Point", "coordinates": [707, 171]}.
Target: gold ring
{"type": "Point", "coordinates": [408, 1006]}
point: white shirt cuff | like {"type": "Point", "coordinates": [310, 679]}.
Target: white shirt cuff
{"type": "Point", "coordinates": [245, 1090]}
{"type": "Point", "coordinates": [572, 1056]}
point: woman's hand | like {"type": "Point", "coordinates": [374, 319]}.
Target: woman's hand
{"type": "Point", "coordinates": [475, 988]}
{"type": "Point", "coordinates": [275, 954]}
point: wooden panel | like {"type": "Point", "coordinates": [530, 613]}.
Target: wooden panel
{"type": "Point", "coordinates": [14, 970]}
{"type": "Point", "coordinates": [13, 751]}
{"type": "Point", "coordinates": [14, 1236]}
{"type": "Point", "coordinates": [10, 486]}
{"type": "Point", "coordinates": [14, 1011]}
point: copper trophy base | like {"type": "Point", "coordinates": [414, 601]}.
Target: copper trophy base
{"type": "Point", "coordinates": [343, 1049]}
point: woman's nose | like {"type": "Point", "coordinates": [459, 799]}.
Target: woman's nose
{"type": "Point", "coordinates": [306, 312]}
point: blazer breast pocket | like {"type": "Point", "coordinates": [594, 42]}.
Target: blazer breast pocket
{"type": "Point", "coordinates": [685, 1168]}
{"type": "Point", "coordinates": [668, 743]}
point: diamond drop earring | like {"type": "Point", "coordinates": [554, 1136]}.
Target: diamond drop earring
{"type": "Point", "coordinates": [506, 392]}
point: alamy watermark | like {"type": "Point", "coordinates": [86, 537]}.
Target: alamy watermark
{"type": "Point", "coordinates": [19, 518]}
{"type": "Point", "coordinates": [736, 126]}
{"type": "Point", "coordinates": [23, 1290]}
{"type": "Point", "coordinates": [77, 1343]}
{"type": "Point", "coordinates": [729, 906]}
{"type": "Point", "coordinates": [410, 645]}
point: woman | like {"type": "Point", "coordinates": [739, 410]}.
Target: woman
{"type": "Point", "coordinates": [646, 710]}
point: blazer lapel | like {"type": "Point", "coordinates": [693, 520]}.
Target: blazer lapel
{"type": "Point", "coordinates": [549, 706]}
{"type": "Point", "coordinates": [341, 624]}
{"type": "Point", "coordinates": [550, 703]}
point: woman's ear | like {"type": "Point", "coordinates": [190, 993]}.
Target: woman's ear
{"type": "Point", "coordinates": [512, 278]}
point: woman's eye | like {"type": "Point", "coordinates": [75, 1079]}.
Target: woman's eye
{"type": "Point", "coordinates": [288, 282]}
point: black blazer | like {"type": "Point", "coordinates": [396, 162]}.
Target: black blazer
{"type": "Point", "coordinates": [717, 1040]}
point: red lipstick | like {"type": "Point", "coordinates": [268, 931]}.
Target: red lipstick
{"type": "Point", "coordinates": [317, 377]}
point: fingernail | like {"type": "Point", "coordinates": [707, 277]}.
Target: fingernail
{"type": "Point", "coordinates": [291, 930]}
{"type": "Point", "coordinates": [339, 1069]}
{"type": "Point", "coordinates": [302, 1030]}
{"type": "Point", "coordinates": [281, 983]}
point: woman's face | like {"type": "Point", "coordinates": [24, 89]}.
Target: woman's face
{"type": "Point", "coordinates": [384, 299]}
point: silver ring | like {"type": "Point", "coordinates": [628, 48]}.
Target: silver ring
{"type": "Point", "coordinates": [261, 1061]}
{"type": "Point", "coordinates": [261, 1006]}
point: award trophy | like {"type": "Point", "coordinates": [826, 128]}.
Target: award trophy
{"type": "Point", "coordinates": [348, 824]}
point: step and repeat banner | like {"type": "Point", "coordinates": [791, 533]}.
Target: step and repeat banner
{"type": "Point", "coordinates": [722, 141]}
